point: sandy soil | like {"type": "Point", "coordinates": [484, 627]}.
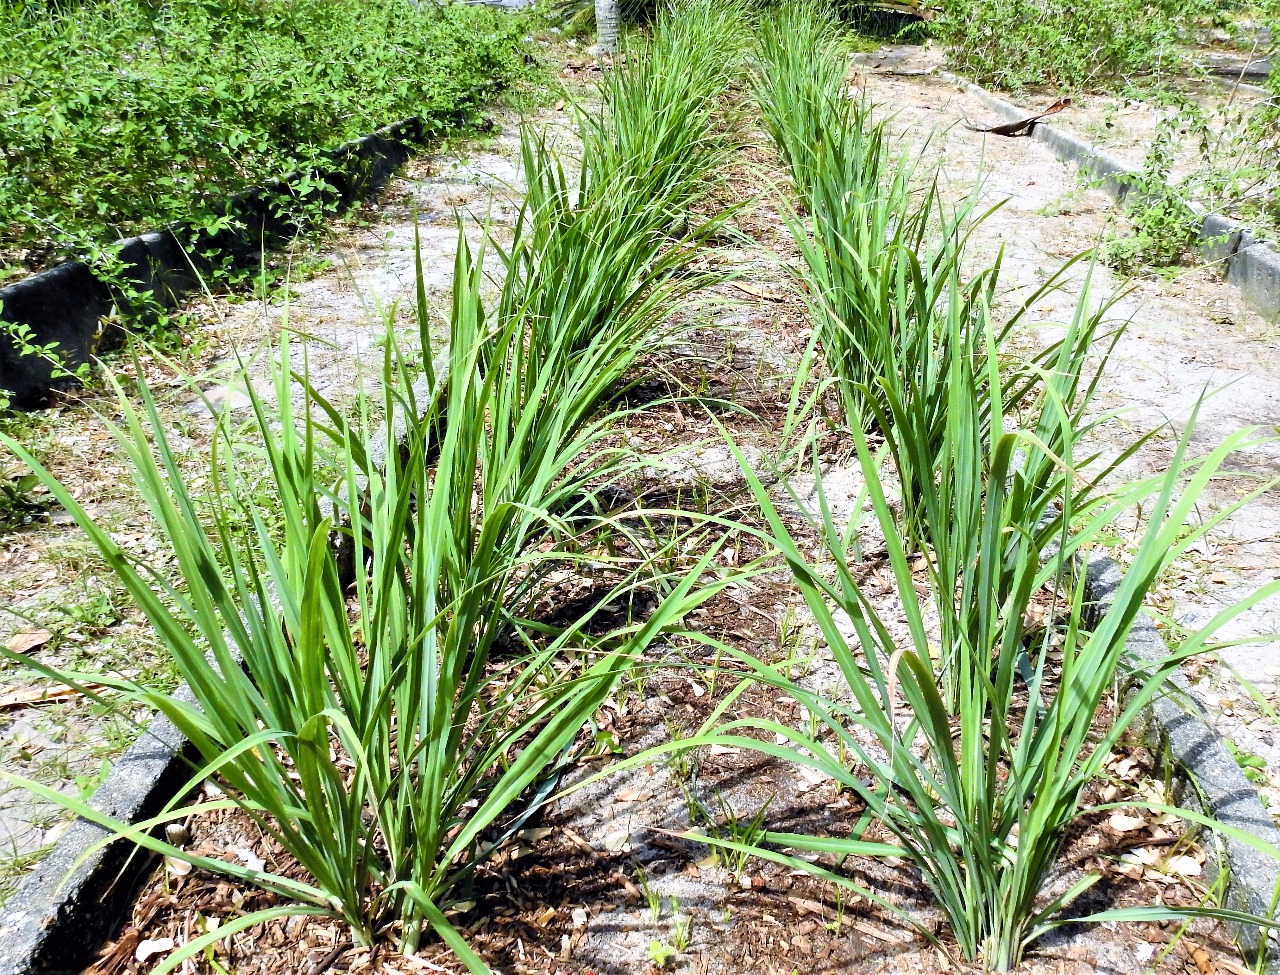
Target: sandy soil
{"type": "Point", "coordinates": [1201, 160]}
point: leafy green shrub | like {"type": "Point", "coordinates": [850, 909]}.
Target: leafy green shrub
{"type": "Point", "coordinates": [1015, 44]}
{"type": "Point", "coordinates": [121, 116]}
{"type": "Point", "coordinates": [1164, 227]}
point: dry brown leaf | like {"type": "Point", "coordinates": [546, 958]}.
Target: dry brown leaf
{"type": "Point", "coordinates": [806, 906]}
{"type": "Point", "coordinates": [26, 642]}
{"type": "Point", "coordinates": [577, 840]}
{"type": "Point", "coordinates": [115, 958]}
{"type": "Point", "coordinates": [1201, 958]}
{"type": "Point", "coordinates": [1122, 823]}
{"type": "Point", "coordinates": [758, 292]}
{"type": "Point", "coordinates": [1182, 866]}
{"type": "Point", "coordinates": [862, 927]}
{"type": "Point", "coordinates": [153, 946]}
{"type": "Point", "coordinates": [18, 699]}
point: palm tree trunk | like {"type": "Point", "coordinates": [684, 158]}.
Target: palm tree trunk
{"type": "Point", "coordinates": [607, 26]}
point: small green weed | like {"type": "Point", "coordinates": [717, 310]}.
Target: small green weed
{"type": "Point", "coordinates": [22, 499]}
{"type": "Point", "coordinates": [652, 898]}
{"type": "Point", "coordinates": [681, 930]}
{"type": "Point", "coordinates": [1253, 765]}
{"type": "Point", "coordinates": [660, 953]}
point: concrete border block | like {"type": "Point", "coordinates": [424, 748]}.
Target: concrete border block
{"type": "Point", "coordinates": [1248, 263]}
{"type": "Point", "coordinates": [1220, 240]}
{"type": "Point", "coordinates": [1210, 778]}
{"type": "Point", "coordinates": [1255, 270]}
{"type": "Point", "coordinates": [72, 902]}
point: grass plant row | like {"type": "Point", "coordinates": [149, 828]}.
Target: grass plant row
{"type": "Point", "coordinates": [972, 740]}
{"type": "Point", "coordinates": [391, 735]}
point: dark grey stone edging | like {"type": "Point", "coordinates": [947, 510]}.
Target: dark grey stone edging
{"type": "Point", "coordinates": [66, 304]}
{"type": "Point", "coordinates": [56, 921]}
{"type": "Point", "coordinates": [1209, 777]}
{"type": "Point", "coordinates": [72, 903]}
{"type": "Point", "coordinates": [1249, 263]}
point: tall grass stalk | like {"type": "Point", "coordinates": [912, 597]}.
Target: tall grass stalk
{"type": "Point", "coordinates": [877, 252]}
{"type": "Point", "coordinates": [665, 122]}
{"type": "Point", "coordinates": [978, 787]}
{"type": "Point", "coordinates": [971, 736]}
{"type": "Point", "coordinates": [799, 83]}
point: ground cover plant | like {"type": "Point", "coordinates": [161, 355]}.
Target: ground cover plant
{"type": "Point", "coordinates": [121, 116]}
{"type": "Point", "coordinates": [1026, 43]}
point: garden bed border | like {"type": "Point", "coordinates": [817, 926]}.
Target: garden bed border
{"type": "Point", "coordinates": [1207, 777]}
{"type": "Point", "coordinates": [1249, 263]}
{"type": "Point", "coordinates": [67, 304]}
{"type": "Point", "coordinates": [73, 901]}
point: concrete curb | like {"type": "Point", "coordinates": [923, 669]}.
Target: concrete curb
{"type": "Point", "coordinates": [66, 304]}
{"type": "Point", "coordinates": [1248, 263]}
{"type": "Point", "coordinates": [72, 902]}
{"type": "Point", "coordinates": [1209, 777]}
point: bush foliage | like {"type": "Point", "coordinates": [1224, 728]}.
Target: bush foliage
{"type": "Point", "coordinates": [1019, 43]}
{"type": "Point", "coordinates": [120, 116]}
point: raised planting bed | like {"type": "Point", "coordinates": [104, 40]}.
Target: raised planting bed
{"type": "Point", "coordinates": [65, 305]}
{"type": "Point", "coordinates": [107, 135]}
{"type": "Point", "coordinates": [771, 660]}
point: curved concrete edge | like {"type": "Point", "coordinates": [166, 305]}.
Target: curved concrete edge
{"type": "Point", "coordinates": [72, 902]}
{"type": "Point", "coordinates": [1207, 775]}
{"type": "Point", "coordinates": [66, 304]}
{"type": "Point", "coordinates": [1248, 263]}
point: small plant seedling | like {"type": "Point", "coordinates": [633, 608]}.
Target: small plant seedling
{"type": "Point", "coordinates": [651, 896]}
{"type": "Point", "coordinates": [747, 832]}
{"type": "Point", "coordinates": [680, 762]}
{"type": "Point", "coordinates": [661, 953]}
{"type": "Point", "coordinates": [836, 923]}
{"type": "Point", "coordinates": [681, 931]}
